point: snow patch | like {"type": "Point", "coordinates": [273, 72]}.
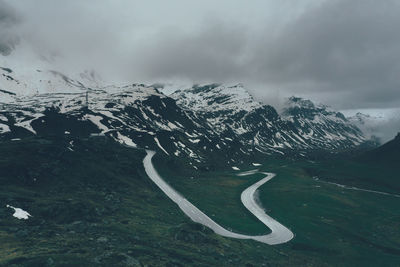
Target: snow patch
{"type": "Point", "coordinates": [71, 145]}
{"type": "Point", "coordinates": [96, 121]}
{"type": "Point", "coordinates": [27, 123]}
{"type": "Point", "coordinates": [246, 173]}
{"type": "Point", "coordinates": [19, 213]}
{"type": "Point", "coordinates": [4, 128]}
{"type": "Point", "coordinates": [3, 118]}
{"type": "Point", "coordinates": [125, 140]}
{"type": "Point", "coordinates": [159, 145]}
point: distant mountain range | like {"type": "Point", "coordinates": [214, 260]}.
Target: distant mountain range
{"type": "Point", "coordinates": [200, 124]}
{"type": "Point", "coordinates": [231, 110]}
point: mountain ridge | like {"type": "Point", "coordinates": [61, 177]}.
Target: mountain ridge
{"type": "Point", "coordinates": [219, 119]}
{"type": "Point", "coordinates": [199, 124]}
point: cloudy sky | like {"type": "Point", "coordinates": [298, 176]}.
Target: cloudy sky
{"type": "Point", "coordinates": [345, 53]}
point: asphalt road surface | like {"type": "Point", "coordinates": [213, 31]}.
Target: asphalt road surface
{"type": "Point", "coordinates": [279, 233]}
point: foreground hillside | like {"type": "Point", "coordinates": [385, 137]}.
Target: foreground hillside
{"type": "Point", "coordinates": [92, 204]}
{"type": "Point", "coordinates": [342, 212]}
{"type": "Point", "coordinates": [95, 206]}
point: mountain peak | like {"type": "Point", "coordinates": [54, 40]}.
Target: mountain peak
{"type": "Point", "coordinates": [217, 97]}
{"type": "Point", "coordinates": [300, 107]}
{"type": "Point", "coordinates": [299, 102]}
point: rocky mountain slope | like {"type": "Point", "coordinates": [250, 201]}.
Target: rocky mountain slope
{"type": "Point", "coordinates": [200, 125]}
{"type": "Point", "coordinates": [231, 126]}
{"type": "Point", "coordinates": [232, 111]}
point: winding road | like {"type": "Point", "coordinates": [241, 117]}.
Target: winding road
{"type": "Point", "coordinates": [279, 233]}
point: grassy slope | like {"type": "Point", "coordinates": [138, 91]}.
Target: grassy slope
{"type": "Point", "coordinates": [360, 228]}
{"type": "Point", "coordinates": [368, 175]}
{"type": "Point", "coordinates": [95, 206]}
{"type": "Point", "coordinates": [332, 225]}
{"type": "Point", "coordinates": [204, 189]}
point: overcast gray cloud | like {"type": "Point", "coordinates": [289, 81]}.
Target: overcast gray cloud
{"type": "Point", "coordinates": [7, 14]}
{"type": "Point", "coordinates": [341, 52]}
{"type": "Point", "coordinates": [212, 54]}
{"type": "Point", "coordinates": [8, 18]}
{"type": "Point", "coordinates": [346, 53]}
{"type": "Point", "coordinates": [348, 49]}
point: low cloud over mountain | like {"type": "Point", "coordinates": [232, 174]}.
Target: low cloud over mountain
{"type": "Point", "coordinates": [344, 53]}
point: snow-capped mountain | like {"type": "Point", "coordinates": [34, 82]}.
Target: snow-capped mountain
{"type": "Point", "coordinates": [216, 124]}
{"type": "Point", "coordinates": [320, 126]}
{"type": "Point", "coordinates": [198, 124]}
{"type": "Point", "coordinates": [135, 115]}
{"type": "Point", "coordinates": [232, 111]}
